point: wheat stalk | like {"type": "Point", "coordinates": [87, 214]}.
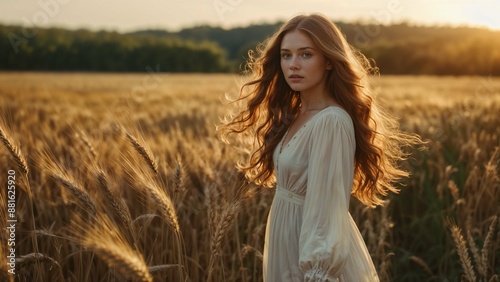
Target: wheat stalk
{"type": "Point", "coordinates": [144, 152]}
{"type": "Point", "coordinates": [161, 268]}
{"type": "Point", "coordinates": [452, 186]}
{"type": "Point", "coordinates": [221, 229]}
{"type": "Point", "coordinates": [104, 239]}
{"type": "Point", "coordinates": [15, 152]}
{"type": "Point", "coordinates": [210, 202]}
{"type": "Point", "coordinates": [165, 205]}
{"type": "Point", "coordinates": [41, 232]}
{"type": "Point", "coordinates": [179, 175]}
{"type": "Point", "coordinates": [87, 143]}
{"type": "Point", "coordinates": [486, 246]}
{"type": "Point", "coordinates": [148, 217]}
{"type": "Point", "coordinates": [475, 253]}
{"type": "Point", "coordinates": [141, 223]}
{"type": "Point", "coordinates": [247, 249]}
{"type": "Point", "coordinates": [494, 278]}
{"type": "Point", "coordinates": [422, 263]}
{"type": "Point", "coordinates": [129, 265]}
{"type": "Point", "coordinates": [119, 210]}
{"type": "Point", "coordinates": [79, 193]}
{"type": "Point", "coordinates": [462, 251]}
{"type": "Point", "coordinates": [34, 257]}
{"type": "Point", "coordinates": [147, 181]}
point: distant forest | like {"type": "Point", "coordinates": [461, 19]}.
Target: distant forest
{"type": "Point", "coordinates": [396, 49]}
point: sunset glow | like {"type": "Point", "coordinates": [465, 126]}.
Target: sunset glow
{"type": "Point", "coordinates": [129, 15]}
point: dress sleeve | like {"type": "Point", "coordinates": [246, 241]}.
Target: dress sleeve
{"type": "Point", "coordinates": [325, 234]}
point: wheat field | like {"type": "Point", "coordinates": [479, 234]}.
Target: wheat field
{"type": "Point", "coordinates": [122, 177]}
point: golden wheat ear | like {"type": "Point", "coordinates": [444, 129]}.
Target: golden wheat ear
{"type": "Point", "coordinates": [179, 175]}
{"type": "Point", "coordinates": [80, 194]}
{"type": "Point", "coordinates": [14, 151]}
{"type": "Point", "coordinates": [26, 260]}
{"type": "Point", "coordinates": [70, 184]}
{"type": "Point", "coordinates": [487, 241]}
{"type": "Point", "coordinates": [162, 268]}
{"type": "Point", "coordinates": [119, 210]}
{"type": "Point", "coordinates": [144, 151]}
{"type": "Point", "coordinates": [144, 181]}
{"type": "Point", "coordinates": [165, 205]}
{"type": "Point", "coordinates": [83, 137]}
{"type": "Point", "coordinates": [105, 240]}
{"type": "Point", "coordinates": [220, 230]}
{"type": "Point", "coordinates": [462, 251]}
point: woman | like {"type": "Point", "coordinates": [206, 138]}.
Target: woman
{"type": "Point", "coordinates": [320, 138]}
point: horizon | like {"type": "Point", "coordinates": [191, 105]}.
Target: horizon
{"type": "Point", "coordinates": [128, 16]}
{"type": "Point", "coordinates": [261, 23]}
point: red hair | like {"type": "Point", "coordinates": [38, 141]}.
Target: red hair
{"type": "Point", "coordinates": [271, 105]}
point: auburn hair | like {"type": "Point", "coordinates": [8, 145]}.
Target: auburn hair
{"type": "Point", "coordinates": [270, 105]}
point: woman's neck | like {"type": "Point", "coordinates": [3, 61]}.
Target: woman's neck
{"type": "Point", "coordinates": [315, 101]}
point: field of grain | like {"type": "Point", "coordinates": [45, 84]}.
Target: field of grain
{"type": "Point", "coordinates": [122, 176]}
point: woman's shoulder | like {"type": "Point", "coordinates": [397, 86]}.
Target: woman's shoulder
{"type": "Point", "coordinates": [334, 114]}
{"type": "Point", "coordinates": [332, 122]}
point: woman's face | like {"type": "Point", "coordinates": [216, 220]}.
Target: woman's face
{"type": "Point", "coordinates": [302, 63]}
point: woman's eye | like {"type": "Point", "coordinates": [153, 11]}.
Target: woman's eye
{"type": "Point", "coordinates": [285, 56]}
{"type": "Point", "coordinates": [306, 55]}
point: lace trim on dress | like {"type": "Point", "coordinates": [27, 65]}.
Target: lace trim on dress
{"type": "Point", "coordinates": [319, 275]}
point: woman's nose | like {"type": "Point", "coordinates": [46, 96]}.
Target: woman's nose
{"type": "Point", "coordinates": [294, 63]}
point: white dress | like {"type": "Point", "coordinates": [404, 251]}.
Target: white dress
{"type": "Point", "coordinates": [310, 235]}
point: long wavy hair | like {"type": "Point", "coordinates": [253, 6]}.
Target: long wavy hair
{"type": "Point", "coordinates": [271, 105]}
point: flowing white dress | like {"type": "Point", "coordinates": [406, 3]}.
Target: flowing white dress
{"type": "Point", "coordinates": [310, 235]}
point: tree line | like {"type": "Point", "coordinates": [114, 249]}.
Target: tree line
{"type": "Point", "coordinates": [396, 49]}
{"type": "Point", "coordinates": [55, 49]}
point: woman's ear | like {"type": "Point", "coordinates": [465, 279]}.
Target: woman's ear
{"type": "Point", "coordinates": [329, 65]}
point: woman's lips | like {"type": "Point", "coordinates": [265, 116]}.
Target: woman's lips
{"type": "Point", "coordinates": [295, 78]}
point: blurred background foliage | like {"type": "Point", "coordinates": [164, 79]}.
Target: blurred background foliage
{"type": "Point", "coordinates": [396, 49]}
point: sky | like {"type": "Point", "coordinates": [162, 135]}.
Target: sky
{"type": "Point", "coordinates": [130, 15]}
